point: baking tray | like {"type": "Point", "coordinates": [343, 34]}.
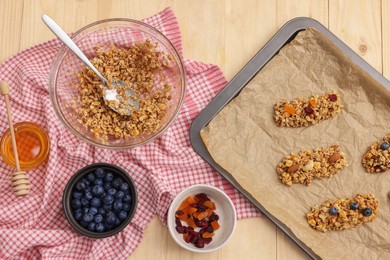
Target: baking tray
{"type": "Point", "coordinates": [286, 34]}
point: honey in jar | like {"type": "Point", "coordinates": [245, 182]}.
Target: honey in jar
{"type": "Point", "coordinates": [32, 142]}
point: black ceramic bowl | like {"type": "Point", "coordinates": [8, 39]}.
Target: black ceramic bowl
{"type": "Point", "coordinates": [67, 197]}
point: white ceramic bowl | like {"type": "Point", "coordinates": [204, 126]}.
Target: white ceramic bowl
{"type": "Point", "coordinates": [224, 209]}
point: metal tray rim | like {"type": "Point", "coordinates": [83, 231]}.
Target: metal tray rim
{"type": "Point", "coordinates": [241, 79]}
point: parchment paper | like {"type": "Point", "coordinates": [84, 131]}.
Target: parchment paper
{"type": "Point", "coordinates": [245, 141]}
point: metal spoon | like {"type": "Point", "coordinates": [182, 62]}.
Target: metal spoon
{"type": "Point", "coordinates": [109, 94]}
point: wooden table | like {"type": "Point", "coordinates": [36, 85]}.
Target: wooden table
{"type": "Point", "coordinates": [227, 33]}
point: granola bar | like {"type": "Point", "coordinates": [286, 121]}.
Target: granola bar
{"type": "Point", "coordinates": [307, 111]}
{"type": "Point", "coordinates": [308, 165]}
{"type": "Point", "coordinates": [343, 213]}
{"type": "Point", "coordinates": [377, 157]}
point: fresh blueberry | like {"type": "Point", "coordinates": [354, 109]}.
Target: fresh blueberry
{"type": "Point", "coordinates": [333, 211]}
{"type": "Point", "coordinates": [80, 186]}
{"type": "Point", "coordinates": [111, 218]}
{"type": "Point", "coordinates": [98, 182]}
{"type": "Point", "coordinates": [117, 182]}
{"type": "Point", "coordinates": [93, 210]}
{"type": "Point", "coordinates": [100, 227]}
{"type": "Point", "coordinates": [91, 177]}
{"type": "Point", "coordinates": [126, 207]}
{"type": "Point", "coordinates": [99, 173]}
{"type": "Point", "coordinates": [111, 191]}
{"type": "Point", "coordinates": [119, 195]}
{"type": "Point", "coordinates": [107, 186]}
{"type": "Point", "coordinates": [77, 195]}
{"type": "Point", "coordinates": [125, 187]}
{"type": "Point", "coordinates": [78, 214]}
{"type": "Point", "coordinates": [97, 190]}
{"type": "Point", "coordinates": [96, 202]}
{"type": "Point", "coordinates": [367, 212]}
{"type": "Point", "coordinates": [117, 206]}
{"type": "Point", "coordinates": [98, 218]}
{"type": "Point", "coordinates": [127, 198]}
{"type": "Point", "coordinates": [85, 210]}
{"type": "Point", "coordinates": [88, 194]}
{"type": "Point", "coordinates": [122, 215]}
{"type": "Point", "coordinates": [107, 207]}
{"type": "Point", "coordinates": [109, 176]}
{"type": "Point", "coordinates": [76, 204]}
{"type": "Point", "coordinates": [83, 223]}
{"type": "Point", "coordinates": [108, 199]}
{"type": "Point", "coordinates": [86, 182]}
{"type": "Point", "coordinates": [102, 211]}
{"type": "Point", "coordinates": [91, 226]}
{"type": "Point", "coordinates": [84, 201]}
{"type": "Point", "coordinates": [88, 217]}
{"type": "Point", "coordinates": [117, 221]}
{"type": "Point", "coordinates": [354, 205]}
{"type": "Point", "coordinates": [385, 146]}
{"type": "Point", "coordinates": [109, 227]}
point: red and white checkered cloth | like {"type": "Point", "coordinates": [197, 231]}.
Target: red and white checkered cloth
{"type": "Point", "coordinates": [35, 226]}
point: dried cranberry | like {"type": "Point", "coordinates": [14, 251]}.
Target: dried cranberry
{"type": "Point", "coordinates": [181, 230]}
{"type": "Point", "coordinates": [189, 238]}
{"type": "Point", "coordinates": [200, 243]}
{"type": "Point", "coordinates": [308, 110]}
{"type": "Point", "coordinates": [213, 217]}
{"type": "Point", "coordinates": [178, 222]}
{"type": "Point", "coordinates": [179, 212]}
{"type": "Point", "coordinates": [194, 240]}
{"type": "Point", "coordinates": [207, 240]}
{"type": "Point", "coordinates": [202, 196]}
{"type": "Point", "coordinates": [202, 208]}
{"type": "Point", "coordinates": [201, 232]}
{"type": "Point", "coordinates": [333, 97]}
{"type": "Point", "coordinates": [190, 229]}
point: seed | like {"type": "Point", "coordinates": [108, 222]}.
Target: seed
{"type": "Point", "coordinates": [289, 163]}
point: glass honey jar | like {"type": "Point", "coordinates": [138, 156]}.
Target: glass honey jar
{"type": "Point", "coordinates": [32, 142]}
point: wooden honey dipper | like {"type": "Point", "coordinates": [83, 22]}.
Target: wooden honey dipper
{"type": "Point", "coordinates": [20, 182]}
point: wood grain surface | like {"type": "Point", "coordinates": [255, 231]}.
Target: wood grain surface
{"type": "Point", "coordinates": [227, 33]}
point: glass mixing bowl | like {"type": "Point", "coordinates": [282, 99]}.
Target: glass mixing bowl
{"type": "Point", "coordinates": [123, 33]}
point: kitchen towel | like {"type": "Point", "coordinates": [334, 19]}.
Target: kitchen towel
{"type": "Point", "coordinates": [34, 226]}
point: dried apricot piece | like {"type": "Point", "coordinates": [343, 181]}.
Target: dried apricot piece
{"type": "Point", "coordinates": [183, 205]}
{"type": "Point", "coordinates": [190, 200]}
{"type": "Point", "coordinates": [209, 204]}
{"type": "Point", "coordinates": [207, 234]}
{"type": "Point", "coordinates": [191, 222]}
{"type": "Point", "coordinates": [209, 212]}
{"type": "Point", "coordinates": [313, 102]}
{"type": "Point", "coordinates": [290, 109]}
{"type": "Point", "coordinates": [202, 215]}
{"type": "Point", "coordinates": [215, 225]}
{"type": "Point", "coordinates": [191, 210]}
{"type": "Point", "coordinates": [183, 217]}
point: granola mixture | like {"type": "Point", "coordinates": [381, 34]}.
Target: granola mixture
{"type": "Point", "coordinates": [307, 111]}
{"type": "Point", "coordinates": [139, 66]}
{"type": "Point", "coordinates": [308, 165]}
{"type": "Point", "coordinates": [343, 213]}
{"type": "Point", "coordinates": [377, 157]}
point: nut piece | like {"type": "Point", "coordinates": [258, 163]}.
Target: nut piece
{"type": "Point", "coordinates": [293, 168]}
{"type": "Point", "coordinates": [334, 158]}
{"type": "Point", "coordinates": [309, 166]}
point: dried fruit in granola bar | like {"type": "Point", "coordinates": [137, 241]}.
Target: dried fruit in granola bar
{"type": "Point", "coordinates": [305, 111]}
{"type": "Point", "coordinates": [340, 215]}
{"type": "Point", "coordinates": [308, 165]}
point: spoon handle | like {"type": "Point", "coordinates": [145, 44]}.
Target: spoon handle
{"type": "Point", "coordinates": [61, 34]}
